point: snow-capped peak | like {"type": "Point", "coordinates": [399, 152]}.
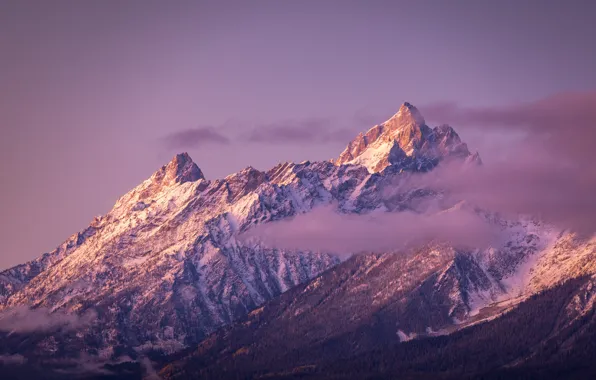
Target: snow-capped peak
{"type": "Point", "coordinates": [180, 169]}
{"type": "Point", "coordinates": [408, 112]}
{"type": "Point", "coordinates": [403, 141]}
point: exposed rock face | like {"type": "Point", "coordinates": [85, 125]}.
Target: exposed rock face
{"type": "Point", "coordinates": [548, 336]}
{"type": "Point", "coordinates": [405, 141]}
{"type": "Point", "coordinates": [181, 169]}
{"type": "Point", "coordinates": [535, 293]}
{"type": "Point", "coordinates": [164, 267]}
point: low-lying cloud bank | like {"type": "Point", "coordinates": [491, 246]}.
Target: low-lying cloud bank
{"type": "Point", "coordinates": [324, 229]}
{"type": "Point", "coordinates": [550, 173]}
{"type": "Point", "coordinates": [195, 137]}
{"type": "Point", "coordinates": [15, 359]}
{"type": "Point", "coordinates": [22, 319]}
{"type": "Point", "coordinates": [310, 130]}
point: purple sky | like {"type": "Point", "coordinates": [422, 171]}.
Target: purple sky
{"type": "Point", "coordinates": [97, 95]}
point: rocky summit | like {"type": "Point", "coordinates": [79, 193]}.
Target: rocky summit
{"type": "Point", "coordinates": [405, 141]}
{"type": "Point", "coordinates": [165, 270]}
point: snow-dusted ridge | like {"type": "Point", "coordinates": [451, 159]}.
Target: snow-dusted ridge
{"type": "Point", "coordinates": [164, 268]}
{"type": "Point", "coordinates": [405, 141]}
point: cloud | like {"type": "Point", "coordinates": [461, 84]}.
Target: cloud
{"type": "Point", "coordinates": [536, 185]}
{"type": "Point", "coordinates": [565, 123]}
{"type": "Point", "coordinates": [195, 137]}
{"type": "Point", "coordinates": [549, 172]}
{"type": "Point", "coordinates": [150, 372]}
{"type": "Point", "coordinates": [307, 130]}
{"type": "Point", "coordinates": [86, 364]}
{"type": "Point", "coordinates": [312, 130]}
{"type": "Point", "coordinates": [324, 229]}
{"type": "Point", "coordinates": [22, 319]}
{"type": "Point", "coordinates": [12, 359]}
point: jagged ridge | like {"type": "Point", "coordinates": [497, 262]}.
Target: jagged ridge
{"type": "Point", "coordinates": [407, 142]}
{"type": "Point", "coordinates": [164, 268]}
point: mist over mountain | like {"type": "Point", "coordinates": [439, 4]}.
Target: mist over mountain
{"type": "Point", "coordinates": [289, 271]}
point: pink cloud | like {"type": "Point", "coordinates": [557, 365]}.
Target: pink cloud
{"type": "Point", "coordinates": [310, 130]}
{"type": "Point", "coordinates": [324, 229]}
{"type": "Point", "coordinates": [562, 124]}
{"type": "Point", "coordinates": [195, 137]}
{"type": "Point", "coordinates": [22, 319]}
{"type": "Point", "coordinates": [549, 174]}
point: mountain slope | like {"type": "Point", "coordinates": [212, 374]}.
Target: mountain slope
{"type": "Point", "coordinates": [407, 142]}
{"type": "Point", "coordinates": [356, 321]}
{"type": "Point", "coordinates": [165, 268]}
{"type": "Point", "coordinates": [163, 264]}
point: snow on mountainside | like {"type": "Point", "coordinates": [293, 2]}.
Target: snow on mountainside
{"type": "Point", "coordinates": [547, 336]}
{"type": "Point", "coordinates": [164, 267]}
{"type": "Point", "coordinates": [405, 141]}
{"type": "Point", "coordinates": [163, 264]}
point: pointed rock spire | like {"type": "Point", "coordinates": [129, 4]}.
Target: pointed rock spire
{"type": "Point", "coordinates": [407, 125]}
{"type": "Point", "coordinates": [407, 112]}
{"type": "Point", "coordinates": [180, 169]}
{"type": "Point", "coordinates": [404, 140]}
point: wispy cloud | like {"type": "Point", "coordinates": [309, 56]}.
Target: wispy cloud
{"type": "Point", "coordinates": [563, 124]}
{"type": "Point", "coordinates": [88, 365]}
{"type": "Point", "coordinates": [324, 229]}
{"type": "Point", "coordinates": [195, 137]}
{"type": "Point", "coordinates": [311, 130]}
{"type": "Point", "coordinates": [550, 172]}
{"type": "Point", "coordinates": [22, 319]}
{"type": "Point", "coordinates": [150, 372]}
{"type": "Point", "coordinates": [302, 131]}
{"type": "Point", "coordinates": [15, 359]}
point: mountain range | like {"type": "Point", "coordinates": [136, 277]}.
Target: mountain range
{"type": "Point", "coordinates": [166, 282]}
